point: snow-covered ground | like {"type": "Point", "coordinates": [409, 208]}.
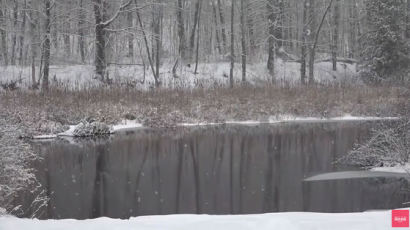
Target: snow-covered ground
{"type": "Point", "coordinates": [78, 77]}
{"type": "Point", "coordinates": [374, 220]}
{"type": "Point", "coordinates": [395, 169]}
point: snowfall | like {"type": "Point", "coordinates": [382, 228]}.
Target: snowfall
{"type": "Point", "coordinates": [371, 220]}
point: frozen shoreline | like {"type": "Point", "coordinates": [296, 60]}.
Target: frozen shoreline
{"type": "Point", "coordinates": [132, 124]}
{"type": "Point", "coordinates": [373, 220]}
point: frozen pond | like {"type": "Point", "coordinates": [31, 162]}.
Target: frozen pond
{"type": "Point", "coordinates": [213, 170]}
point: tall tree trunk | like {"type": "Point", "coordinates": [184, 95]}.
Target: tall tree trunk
{"type": "Point", "coordinates": [335, 40]}
{"type": "Point", "coordinates": [352, 29]}
{"type": "Point", "coordinates": [33, 45]}
{"type": "Point", "coordinates": [304, 42]}
{"type": "Point", "coordinates": [81, 31]}
{"type": "Point", "coordinates": [215, 18]}
{"type": "Point", "coordinates": [3, 33]}
{"type": "Point", "coordinates": [243, 39]}
{"type": "Point", "coordinates": [250, 23]}
{"type": "Point", "coordinates": [194, 28]}
{"type": "Point", "coordinates": [312, 51]}
{"type": "Point", "coordinates": [22, 34]}
{"type": "Point", "coordinates": [181, 29]}
{"type": "Point", "coordinates": [47, 46]}
{"type": "Point", "coordinates": [197, 37]}
{"type": "Point", "coordinates": [14, 38]}
{"type": "Point", "coordinates": [271, 40]}
{"type": "Point", "coordinates": [279, 6]}
{"type": "Point", "coordinates": [100, 36]}
{"type": "Point", "coordinates": [158, 39]}
{"type": "Point", "coordinates": [66, 38]}
{"type": "Point", "coordinates": [222, 19]}
{"type": "Point", "coordinates": [232, 45]}
{"type": "Point", "coordinates": [130, 35]}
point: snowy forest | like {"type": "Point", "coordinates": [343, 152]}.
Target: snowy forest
{"type": "Point", "coordinates": [157, 37]}
{"type": "Point", "coordinates": [128, 108]}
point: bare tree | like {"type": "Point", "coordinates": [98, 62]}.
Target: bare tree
{"type": "Point", "coordinates": [101, 24]}
{"type": "Point", "coordinates": [222, 19]}
{"type": "Point", "coordinates": [194, 28]}
{"type": "Point", "coordinates": [271, 40]}
{"type": "Point", "coordinates": [304, 42]}
{"type": "Point", "coordinates": [3, 33]}
{"type": "Point", "coordinates": [181, 29]}
{"type": "Point", "coordinates": [336, 19]}
{"type": "Point", "coordinates": [232, 45]}
{"type": "Point", "coordinates": [81, 30]}
{"type": "Point", "coordinates": [197, 38]}
{"type": "Point", "coordinates": [243, 39]}
{"type": "Point", "coordinates": [47, 45]}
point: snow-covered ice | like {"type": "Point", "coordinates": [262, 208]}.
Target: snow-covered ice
{"type": "Point", "coordinates": [356, 175]}
{"type": "Point", "coordinates": [374, 220]}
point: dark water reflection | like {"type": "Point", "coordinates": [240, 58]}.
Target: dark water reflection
{"type": "Point", "coordinates": [224, 170]}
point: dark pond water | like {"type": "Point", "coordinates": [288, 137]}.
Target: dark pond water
{"type": "Point", "coordinates": [214, 170]}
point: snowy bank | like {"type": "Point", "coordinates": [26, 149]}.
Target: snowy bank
{"type": "Point", "coordinates": [287, 221]}
{"type": "Point", "coordinates": [133, 124]}
{"type": "Point", "coordinates": [405, 169]}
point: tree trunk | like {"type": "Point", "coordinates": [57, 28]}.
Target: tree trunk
{"type": "Point", "coordinates": [158, 40]}
{"type": "Point", "coordinates": [181, 29]}
{"type": "Point", "coordinates": [243, 39]}
{"type": "Point", "coordinates": [279, 6]}
{"type": "Point", "coordinates": [14, 38]}
{"type": "Point", "coordinates": [335, 40]}
{"type": "Point", "coordinates": [218, 39]}
{"type": "Point", "coordinates": [197, 37]}
{"type": "Point", "coordinates": [3, 33]}
{"type": "Point", "coordinates": [352, 29]}
{"type": "Point", "coordinates": [312, 51]}
{"type": "Point", "coordinates": [33, 46]}
{"type": "Point", "coordinates": [100, 36]}
{"type": "Point", "coordinates": [81, 31]}
{"type": "Point", "coordinates": [194, 28]}
{"type": "Point", "coordinates": [22, 35]}
{"type": "Point", "coordinates": [130, 35]}
{"type": "Point", "coordinates": [250, 23]}
{"type": "Point", "coordinates": [222, 19]}
{"type": "Point", "coordinates": [47, 46]}
{"type": "Point", "coordinates": [271, 40]}
{"type": "Point", "coordinates": [304, 42]}
{"type": "Point", "coordinates": [232, 45]}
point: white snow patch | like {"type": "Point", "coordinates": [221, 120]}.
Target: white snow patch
{"type": "Point", "coordinates": [395, 169]}
{"type": "Point", "coordinates": [374, 220]}
{"type": "Point", "coordinates": [356, 175]}
{"type": "Point", "coordinates": [44, 137]}
{"type": "Point", "coordinates": [126, 125]}
{"type": "Point", "coordinates": [69, 132]}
